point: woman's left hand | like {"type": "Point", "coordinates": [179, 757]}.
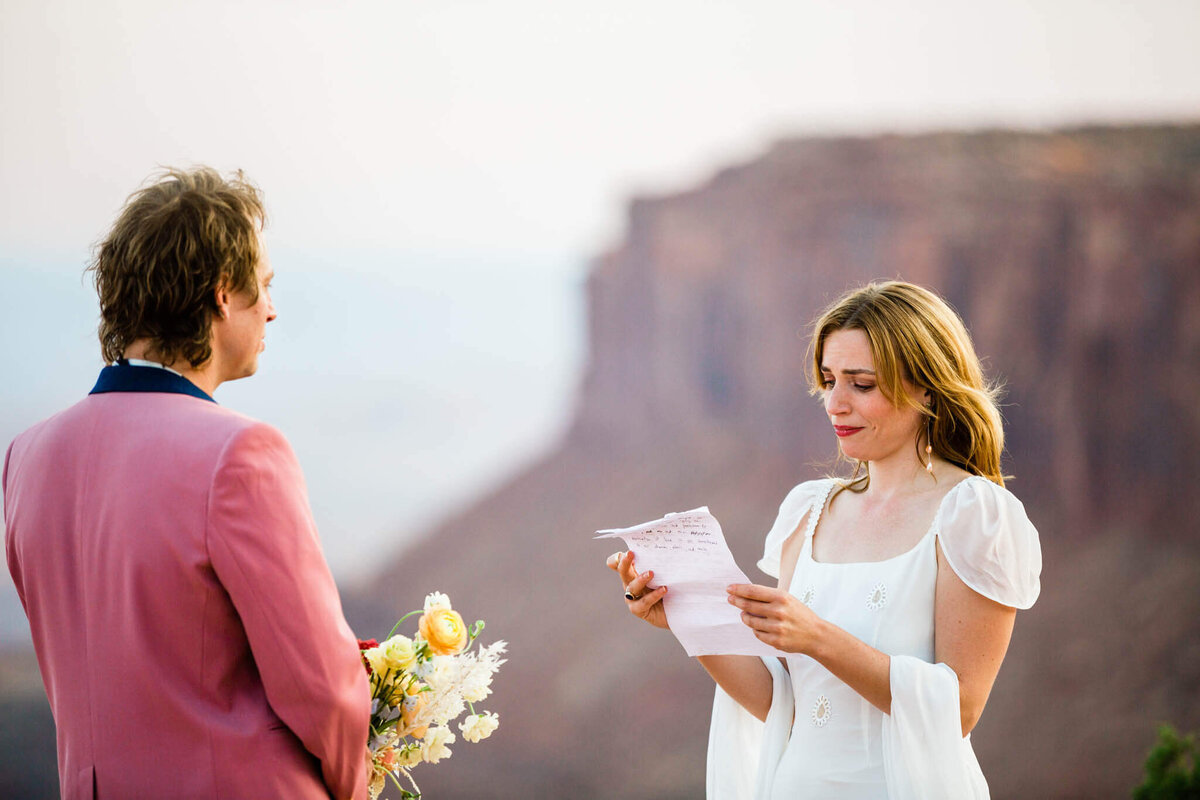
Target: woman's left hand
{"type": "Point", "coordinates": [777, 617]}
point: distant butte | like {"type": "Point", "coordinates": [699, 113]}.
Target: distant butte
{"type": "Point", "coordinates": [1074, 257]}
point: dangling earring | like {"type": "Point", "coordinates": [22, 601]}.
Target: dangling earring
{"type": "Point", "coordinates": [929, 444]}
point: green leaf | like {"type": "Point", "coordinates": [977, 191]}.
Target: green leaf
{"type": "Point", "coordinates": [1172, 768]}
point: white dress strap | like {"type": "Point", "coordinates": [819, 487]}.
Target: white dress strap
{"type": "Point", "coordinates": [818, 506]}
{"type": "Point", "coordinates": [808, 497]}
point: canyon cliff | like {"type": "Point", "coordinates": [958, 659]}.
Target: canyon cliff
{"type": "Point", "coordinates": [1074, 258]}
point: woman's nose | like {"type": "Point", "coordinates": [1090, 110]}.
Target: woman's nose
{"type": "Point", "coordinates": [835, 400]}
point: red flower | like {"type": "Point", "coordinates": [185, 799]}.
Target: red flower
{"type": "Point", "coordinates": [366, 644]}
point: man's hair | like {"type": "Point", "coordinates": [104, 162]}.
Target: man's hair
{"type": "Point", "coordinates": [179, 238]}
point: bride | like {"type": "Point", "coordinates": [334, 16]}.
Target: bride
{"type": "Point", "coordinates": [898, 586]}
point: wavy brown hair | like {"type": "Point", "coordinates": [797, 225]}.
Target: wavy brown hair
{"type": "Point", "coordinates": [916, 336]}
{"type": "Point", "coordinates": [179, 237]}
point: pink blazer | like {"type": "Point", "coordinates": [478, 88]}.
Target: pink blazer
{"type": "Point", "coordinates": [189, 633]}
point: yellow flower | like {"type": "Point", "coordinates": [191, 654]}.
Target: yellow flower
{"type": "Point", "coordinates": [395, 655]}
{"type": "Point", "coordinates": [398, 652]}
{"type": "Point", "coordinates": [377, 660]}
{"type": "Point", "coordinates": [444, 630]}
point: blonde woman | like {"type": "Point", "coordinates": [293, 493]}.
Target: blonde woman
{"type": "Point", "coordinates": [898, 586]}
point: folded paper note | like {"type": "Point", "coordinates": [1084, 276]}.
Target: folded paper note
{"type": "Point", "coordinates": [688, 554]}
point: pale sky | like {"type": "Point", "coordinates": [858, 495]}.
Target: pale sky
{"type": "Point", "coordinates": [521, 127]}
{"type": "Point", "coordinates": [438, 172]}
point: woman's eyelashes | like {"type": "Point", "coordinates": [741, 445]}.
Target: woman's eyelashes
{"type": "Point", "coordinates": [827, 384]}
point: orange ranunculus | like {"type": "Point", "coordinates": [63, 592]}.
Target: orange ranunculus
{"type": "Point", "coordinates": [411, 708]}
{"type": "Point", "coordinates": [444, 630]}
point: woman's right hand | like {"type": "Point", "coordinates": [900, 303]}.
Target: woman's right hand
{"type": "Point", "coordinates": [646, 604]}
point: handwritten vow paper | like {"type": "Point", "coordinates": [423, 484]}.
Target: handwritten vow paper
{"type": "Point", "coordinates": [688, 553]}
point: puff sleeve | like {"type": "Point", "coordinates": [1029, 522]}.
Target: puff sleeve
{"type": "Point", "coordinates": [799, 501]}
{"type": "Point", "coordinates": [990, 543]}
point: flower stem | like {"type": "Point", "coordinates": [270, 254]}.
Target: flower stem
{"type": "Point", "coordinates": [392, 632]}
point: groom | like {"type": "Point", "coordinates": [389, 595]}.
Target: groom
{"type": "Point", "coordinates": [188, 631]}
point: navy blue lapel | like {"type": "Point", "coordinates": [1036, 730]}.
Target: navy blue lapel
{"type": "Point", "coordinates": [125, 377]}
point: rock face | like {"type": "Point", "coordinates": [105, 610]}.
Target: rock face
{"type": "Point", "coordinates": [1074, 258]}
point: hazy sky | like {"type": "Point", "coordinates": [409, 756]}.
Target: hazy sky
{"type": "Point", "coordinates": [520, 126]}
{"type": "Point", "coordinates": [438, 173]}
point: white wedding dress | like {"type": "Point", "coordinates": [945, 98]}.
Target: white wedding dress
{"type": "Point", "coordinates": [836, 744]}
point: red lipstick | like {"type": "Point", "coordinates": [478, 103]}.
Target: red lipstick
{"type": "Point", "coordinates": [845, 430]}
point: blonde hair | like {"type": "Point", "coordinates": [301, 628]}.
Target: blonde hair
{"type": "Point", "coordinates": [178, 238]}
{"type": "Point", "coordinates": [916, 336]}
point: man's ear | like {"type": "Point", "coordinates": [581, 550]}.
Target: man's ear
{"type": "Point", "coordinates": [222, 296]}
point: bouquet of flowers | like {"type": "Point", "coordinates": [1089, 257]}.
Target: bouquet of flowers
{"type": "Point", "coordinates": [419, 686]}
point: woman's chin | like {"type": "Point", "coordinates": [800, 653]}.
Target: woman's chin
{"type": "Point", "coordinates": [854, 453]}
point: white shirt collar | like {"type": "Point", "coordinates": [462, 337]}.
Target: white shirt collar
{"type": "Point", "coordinates": [138, 362]}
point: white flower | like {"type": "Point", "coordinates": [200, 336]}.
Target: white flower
{"type": "Point", "coordinates": [436, 600]}
{"type": "Point", "coordinates": [409, 755]}
{"type": "Point", "coordinates": [478, 669]}
{"type": "Point", "coordinates": [479, 726]}
{"type": "Point", "coordinates": [377, 785]}
{"type": "Point", "coordinates": [491, 654]}
{"type": "Point", "coordinates": [476, 686]}
{"type": "Point", "coordinates": [439, 671]}
{"type": "Point", "coordinates": [434, 748]}
{"type": "Point", "coordinates": [447, 706]}
{"type": "Point", "coordinates": [381, 741]}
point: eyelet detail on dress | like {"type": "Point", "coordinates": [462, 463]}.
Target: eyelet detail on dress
{"type": "Point", "coordinates": [807, 597]}
{"type": "Point", "coordinates": [821, 711]}
{"type": "Point", "coordinates": [878, 598]}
